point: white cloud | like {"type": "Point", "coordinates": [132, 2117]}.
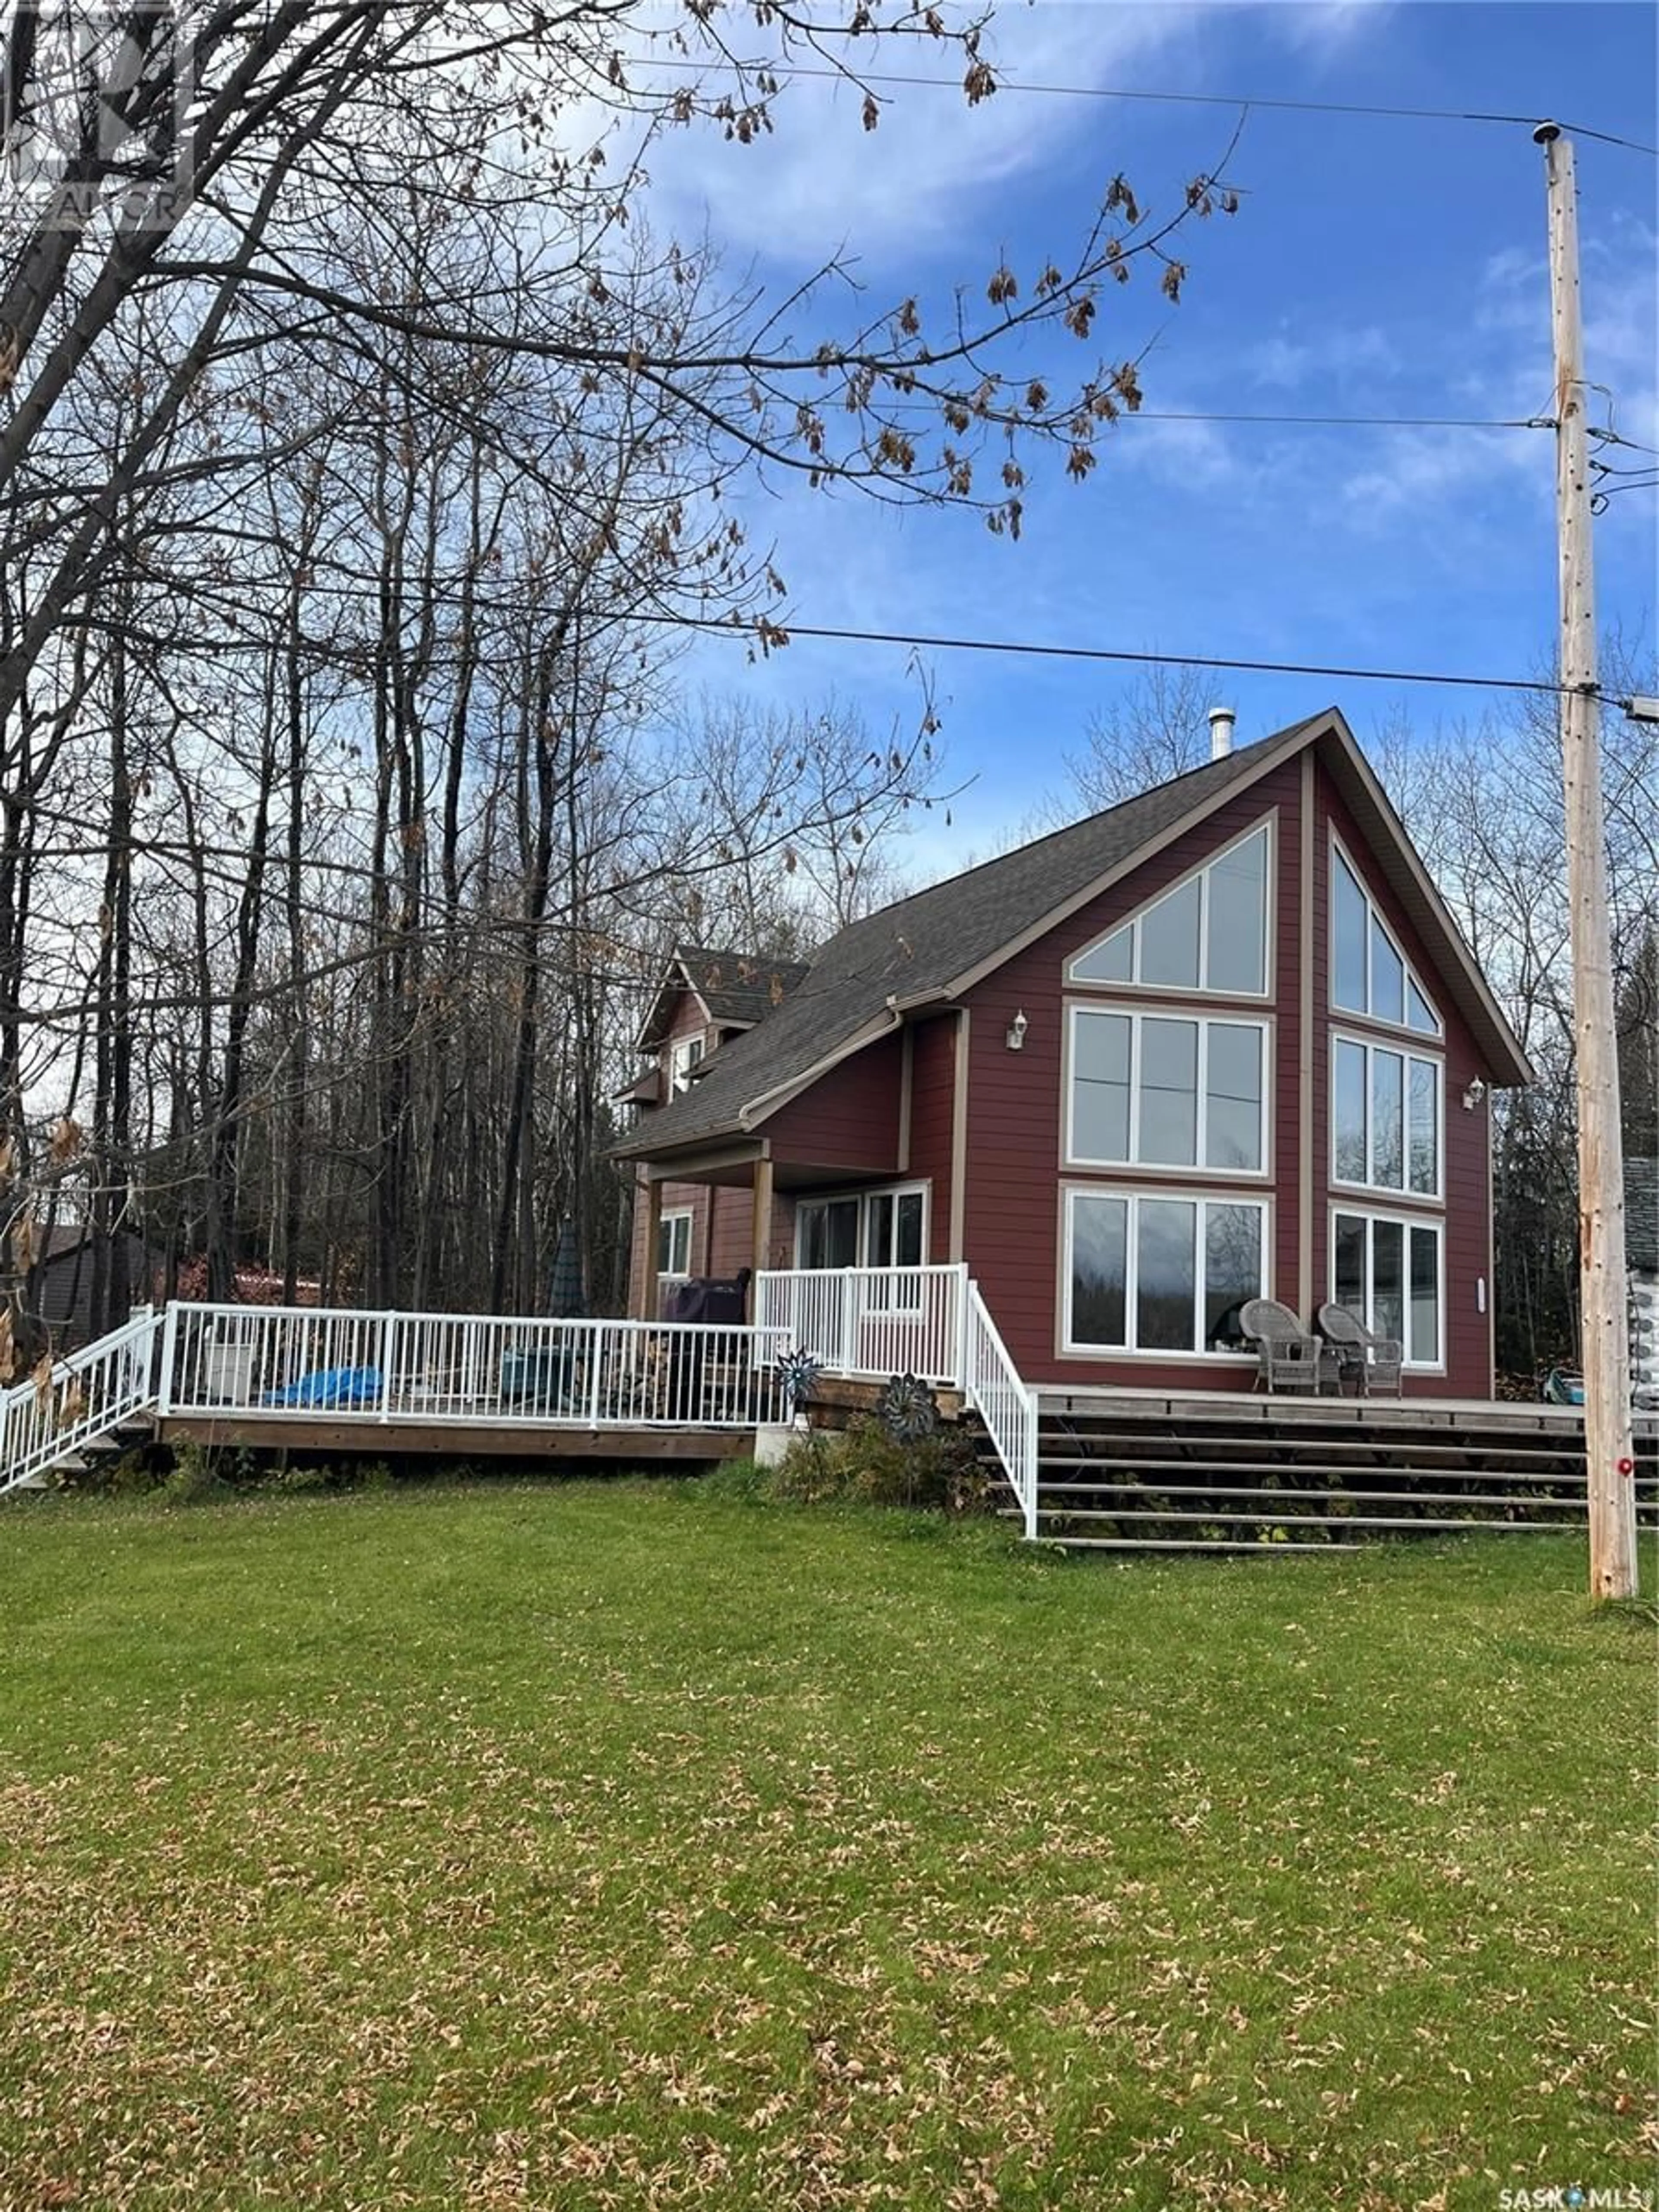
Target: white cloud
{"type": "Point", "coordinates": [1286, 363]}
{"type": "Point", "coordinates": [822, 181]}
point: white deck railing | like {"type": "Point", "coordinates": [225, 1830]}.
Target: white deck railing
{"type": "Point", "coordinates": [278, 1362]}
{"type": "Point", "coordinates": [288, 1363]}
{"type": "Point", "coordinates": [1008, 1407]}
{"type": "Point", "coordinates": [871, 1323]}
{"type": "Point", "coordinates": [86, 1394]}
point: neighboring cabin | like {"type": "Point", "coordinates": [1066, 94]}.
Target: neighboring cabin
{"type": "Point", "coordinates": [1642, 1258]}
{"type": "Point", "coordinates": [1219, 1040]}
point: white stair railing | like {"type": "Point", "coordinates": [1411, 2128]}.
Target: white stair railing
{"type": "Point", "coordinates": [84, 1397]}
{"type": "Point", "coordinates": [992, 1385]}
{"type": "Point", "coordinates": [867, 1324]}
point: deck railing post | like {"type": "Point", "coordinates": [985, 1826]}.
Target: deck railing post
{"type": "Point", "coordinates": [595, 1363]}
{"type": "Point", "coordinates": [164, 1393]}
{"type": "Point", "coordinates": [1029, 1454]}
{"type": "Point", "coordinates": [388, 1343]}
{"type": "Point", "coordinates": [962, 1291]}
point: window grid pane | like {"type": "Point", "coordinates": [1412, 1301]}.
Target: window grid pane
{"type": "Point", "coordinates": [1422, 1135]}
{"type": "Point", "coordinates": [1099, 1270]}
{"type": "Point", "coordinates": [1350, 1121]}
{"type": "Point", "coordinates": [1388, 1121]}
{"type": "Point", "coordinates": [1168, 1093]}
{"type": "Point", "coordinates": [1236, 919]}
{"type": "Point", "coordinates": [1349, 920]}
{"type": "Point", "coordinates": [1168, 938]}
{"type": "Point", "coordinates": [1233, 1114]}
{"type": "Point", "coordinates": [1164, 1274]}
{"type": "Point", "coordinates": [1423, 1345]}
{"type": "Point", "coordinates": [1232, 1262]}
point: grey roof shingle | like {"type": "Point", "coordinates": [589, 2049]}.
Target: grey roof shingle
{"type": "Point", "coordinates": [924, 942]}
{"type": "Point", "coordinates": [1642, 1215]}
{"type": "Point", "coordinates": [739, 986]}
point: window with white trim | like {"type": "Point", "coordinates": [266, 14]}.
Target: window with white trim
{"type": "Point", "coordinates": [674, 1246]}
{"type": "Point", "coordinates": [683, 1054]}
{"type": "Point", "coordinates": [1389, 1272]}
{"type": "Point", "coordinates": [885, 1228]}
{"type": "Point", "coordinates": [1208, 933]}
{"type": "Point", "coordinates": [1387, 1117]}
{"type": "Point", "coordinates": [1370, 973]}
{"type": "Point", "coordinates": [1167, 1090]}
{"type": "Point", "coordinates": [1147, 1272]}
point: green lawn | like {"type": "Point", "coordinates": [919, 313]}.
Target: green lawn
{"type": "Point", "coordinates": [619, 1845]}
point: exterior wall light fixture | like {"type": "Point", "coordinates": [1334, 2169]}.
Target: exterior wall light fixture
{"type": "Point", "coordinates": [1473, 1095]}
{"type": "Point", "coordinates": [1016, 1029]}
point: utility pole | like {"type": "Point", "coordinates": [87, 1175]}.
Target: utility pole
{"type": "Point", "coordinates": [1609, 1459]}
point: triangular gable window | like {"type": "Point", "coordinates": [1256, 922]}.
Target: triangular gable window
{"type": "Point", "coordinates": [1370, 973]}
{"type": "Point", "coordinates": [1208, 933]}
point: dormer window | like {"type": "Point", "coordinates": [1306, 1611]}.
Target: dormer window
{"type": "Point", "coordinates": [683, 1054]}
{"type": "Point", "coordinates": [1370, 973]}
{"type": "Point", "coordinates": [1208, 933]}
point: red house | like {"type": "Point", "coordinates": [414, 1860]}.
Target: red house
{"type": "Point", "coordinates": [1220, 1041]}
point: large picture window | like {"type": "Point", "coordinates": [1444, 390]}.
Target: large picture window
{"type": "Point", "coordinates": [1208, 933]}
{"type": "Point", "coordinates": [1370, 973]}
{"type": "Point", "coordinates": [1385, 1118]}
{"type": "Point", "coordinates": [1150, 1274]}
{"type": "Point", "coordinates": [1387, 1272]}
{"type": "Point", "coordinates": [1167, 1090]}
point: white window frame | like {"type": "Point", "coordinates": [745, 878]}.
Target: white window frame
{"type": "Point", "coordinates": [862, 1196]}
{"type": "Point", "coordinates": [669, 1221]}
{"type": "Point", "coordinates": [1070, 1348]}
{"type": "Point", "coordinates": [683, 1054]}
{"type": "Point", "coordinates": [1269, 822]}
{"type": "Point", "coordinates": [1136, 1016]}
{"type": "Point", "coordinates": [1403, 1189]}
{"type": "Point", "coordinates": [1375, 918]}
{"type": "Point", "coordinates": [1434, 1225]}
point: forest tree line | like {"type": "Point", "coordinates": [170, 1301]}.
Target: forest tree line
{"type": "Point", "coordinates": [364, 458]}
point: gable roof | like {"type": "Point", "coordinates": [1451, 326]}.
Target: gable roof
{"type": "Point", "coordinates": [929, 948]}
{"type": "Point", "coordinates": [736, 989]}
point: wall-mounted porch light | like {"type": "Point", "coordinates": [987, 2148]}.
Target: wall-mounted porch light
{"type": "Point", "coordinates": [1016, 1029]}
{"type": "Point", "coordinates": [1473, 1095]}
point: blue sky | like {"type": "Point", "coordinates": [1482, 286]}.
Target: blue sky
{"type": "Point", "coordinates": [1386, 267]}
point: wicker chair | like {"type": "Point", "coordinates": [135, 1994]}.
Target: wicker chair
{"type": "Point", "coordinates": [1371, 1363]}
{"type": "Point", "coordinates": [1289, 1358]}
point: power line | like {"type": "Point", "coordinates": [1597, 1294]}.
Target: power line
{"type": "Point", "coordinates": [786, 72]}
{"type": "Point", "coordinates": [779, 633]}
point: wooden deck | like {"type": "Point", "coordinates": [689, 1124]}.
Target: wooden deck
{"type": "Point", "coordinates": [480, 1439]}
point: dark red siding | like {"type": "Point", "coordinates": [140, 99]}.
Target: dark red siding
{"type": "Point", "coordinates": [932, 1123]}
{"type": "Point", "coordinates": [848, 1119]}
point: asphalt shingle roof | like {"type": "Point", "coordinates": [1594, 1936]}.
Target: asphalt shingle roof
{"type": "Point", "coordinates": [739, 986]}
{"type": "Point", "coordinates": [923, 942]}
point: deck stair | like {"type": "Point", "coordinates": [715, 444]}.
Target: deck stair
{"type": "Point", "coordinates": [1131, 1472]}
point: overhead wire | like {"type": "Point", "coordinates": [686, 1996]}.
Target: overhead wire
{"type": "Point", "coordinates": [775, 635]}
{"type": "Point", "coordinates": [785, 72]}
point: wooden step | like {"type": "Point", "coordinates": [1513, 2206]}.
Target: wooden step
{"type": "Point", "coordinates": [1315, 1496]}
